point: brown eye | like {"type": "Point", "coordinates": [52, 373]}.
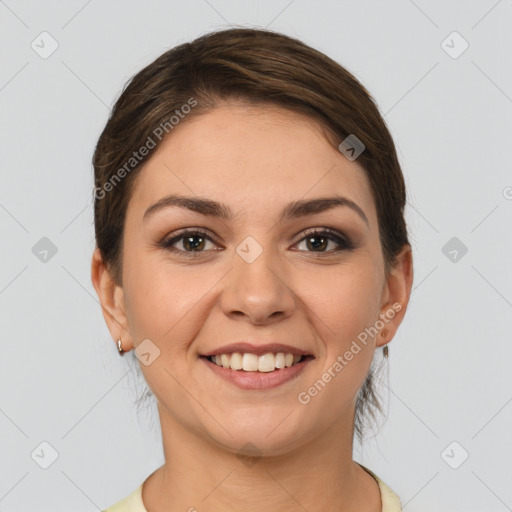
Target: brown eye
{"type": "Point", "coordinates": [194, 242]}
{"type": "Point", "coordinates": [191, 242]}
{"type": "Point", "coordinates": [318, 241]}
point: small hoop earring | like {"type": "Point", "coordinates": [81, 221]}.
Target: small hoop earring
{"type": "Point", "coordinates": [121, 351]}
{"type": "Point", "coordinates": [385, 349]}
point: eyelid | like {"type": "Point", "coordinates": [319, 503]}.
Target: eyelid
{"type": "Point", "coordinates": [344, 242]}
{"type": "Point", "coordinates": [168, 240]}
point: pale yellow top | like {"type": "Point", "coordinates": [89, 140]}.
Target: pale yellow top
{"type": "Point", "coordinates": [133, 502]}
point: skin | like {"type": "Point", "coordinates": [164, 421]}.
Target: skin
{"type": "Point", "coordinates": [255, 160]}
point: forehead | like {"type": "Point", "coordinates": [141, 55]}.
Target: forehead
{"type": "Point", "coordinates": [250, 157]}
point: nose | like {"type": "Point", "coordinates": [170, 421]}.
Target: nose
{"type": "Point", "coordinates": [258, 290]}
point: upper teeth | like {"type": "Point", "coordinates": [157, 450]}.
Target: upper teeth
{"type": "Point", "coordinates": [253, 363]}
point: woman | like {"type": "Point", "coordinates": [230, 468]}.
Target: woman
{"type": "Point", "coordinates": [252, 250]}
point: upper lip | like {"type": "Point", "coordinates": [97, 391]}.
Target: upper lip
{"type": "Point", "coordinates": [259, 350]}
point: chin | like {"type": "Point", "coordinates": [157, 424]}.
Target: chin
{"type": "Point", "coordinates": [262, 435]}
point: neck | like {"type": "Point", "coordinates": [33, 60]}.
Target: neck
{"type": "Point", "coordinates": [200, 475]}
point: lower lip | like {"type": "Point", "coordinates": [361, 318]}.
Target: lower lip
{"type": "Point", "coordinates": [258, 380]}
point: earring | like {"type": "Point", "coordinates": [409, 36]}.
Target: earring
{"type": "Point", "coordinates": [385, 349]}
{"type": "Point", "coordinates": [121, 351]}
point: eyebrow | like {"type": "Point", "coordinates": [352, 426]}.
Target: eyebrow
{"type": "Point", "coordinates": [292, 210]}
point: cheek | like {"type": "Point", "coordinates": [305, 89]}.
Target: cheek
{"type": "Point", "coordinates": [163, 299]}
{"type": "Point", "coordinates": [345, 302]}
{"type": "Point", "coordinates": [344, 299]}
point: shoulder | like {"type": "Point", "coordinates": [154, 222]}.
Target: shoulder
{"type": "Point", "coordinates": [390, 500]}
{"type": "Point", "coordinates": [131, 503]}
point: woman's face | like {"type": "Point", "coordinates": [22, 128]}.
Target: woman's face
{"type": "Point", "coordinates": [256, 277]}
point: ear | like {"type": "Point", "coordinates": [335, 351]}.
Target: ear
{"type": "Point", "coordinates": [396, 293]}
{"type": "Point", "coordinates": [111, 297]}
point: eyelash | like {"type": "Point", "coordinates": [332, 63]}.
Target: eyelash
{"type": "Point", "coordinates": [344, 243]}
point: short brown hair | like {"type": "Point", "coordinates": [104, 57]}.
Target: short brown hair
{"type": "Point", "coordinates": [255, 66]}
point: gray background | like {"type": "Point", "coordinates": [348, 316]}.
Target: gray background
{"type": "Point", "coordinates": [61, 380]}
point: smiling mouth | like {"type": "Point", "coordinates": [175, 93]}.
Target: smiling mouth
{"type": "Point", "coordinates": [247, 362]}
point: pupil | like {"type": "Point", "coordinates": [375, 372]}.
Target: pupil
{"type": "Point", "coordinates": [198, 245]}
{"type": "Point", "coordinates": [189, 240]}
{"type": "Point", "coordinates": [317, 246]}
